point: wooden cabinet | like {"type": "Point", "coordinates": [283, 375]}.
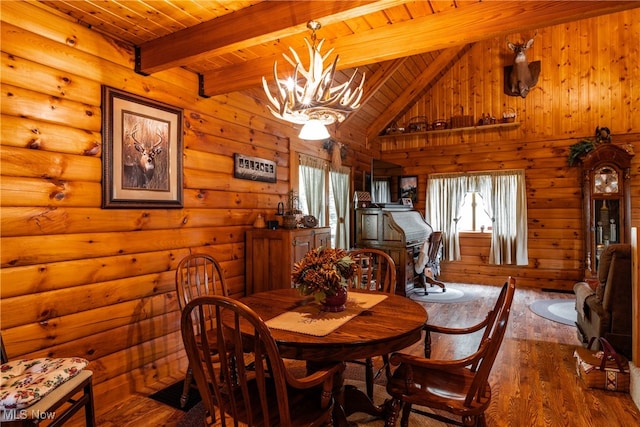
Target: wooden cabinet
{"type": "Point", "coordinates": [271, 254]}
{"type": "Point", "coordinates": [606, 193]}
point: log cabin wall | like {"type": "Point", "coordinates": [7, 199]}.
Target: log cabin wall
{"type": "Point", "coordinates": [589, 74]}
{"type": "Point", "coordinates": [96, 283]}
{"type": "Point", "coordinates": [80, 280]}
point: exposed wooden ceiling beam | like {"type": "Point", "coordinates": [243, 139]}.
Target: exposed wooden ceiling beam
{"type": "Point", "coordinates": [261, 23]}
{"type": "Point", "coordinates": [408, 96]}
{"type": "Point", "coordinates": [471, 23]}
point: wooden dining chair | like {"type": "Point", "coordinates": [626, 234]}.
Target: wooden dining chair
{"type": "Point", "coordinates": [197, 275]}
{"type": "Point", "coordinates": [266, 393]}
{"type": "Point", "coordinates": [457, 387]}
{"type": "Point", "coordinates": [375, 271]}
{"type": "Point", "coordinates": [486, 324]}
{"type": "Point", "coordinates": [48, 390]}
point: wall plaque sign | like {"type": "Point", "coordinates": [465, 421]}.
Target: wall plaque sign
{"type": "Point", "coordinates": [254, 168]}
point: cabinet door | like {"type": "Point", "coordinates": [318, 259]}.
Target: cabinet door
{"type": "Point", "coordinates": [606, 222]}
{"type": "Point", "coordinates": [322, 238]}
{"type": "Point", "coordinates": [267, 267]}
{"type": "Point", "coordinates": [302, 243]}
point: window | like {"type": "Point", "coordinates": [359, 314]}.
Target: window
{"type": "Point", "coordinates": [505, 202]}
{"type": "Point", "coordinates": [333, 215]}
{"type": "Point", "coordinates": [473, 215]}
{"type": "Point", "coordinates": [381, 191]}
{"type": "Point", "coordinates": [325, 195]}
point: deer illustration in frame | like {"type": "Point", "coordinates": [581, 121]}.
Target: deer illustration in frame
{"type": "Point", "coordinates": [141, 152]}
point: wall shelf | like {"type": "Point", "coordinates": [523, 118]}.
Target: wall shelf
{"type": "Point", "coordinates": [454, 130]}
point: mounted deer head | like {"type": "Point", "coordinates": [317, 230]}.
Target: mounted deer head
{"type": "Point", "coordinates": [522, 75]}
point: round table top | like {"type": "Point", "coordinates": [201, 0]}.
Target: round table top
{"type": "Point", "coordinates": [391, 325]}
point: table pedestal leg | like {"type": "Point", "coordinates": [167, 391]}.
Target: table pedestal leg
{"type": "Point", "coordinates": [349, 399]}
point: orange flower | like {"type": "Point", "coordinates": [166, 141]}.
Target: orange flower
{"type": "Point", "coordinates": [323, 271]}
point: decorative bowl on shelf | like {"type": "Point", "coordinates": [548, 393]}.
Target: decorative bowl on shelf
{"type": "Point", "coordinates": [439, 124]}
{"type": "Point", "coordinates": [509, 116]}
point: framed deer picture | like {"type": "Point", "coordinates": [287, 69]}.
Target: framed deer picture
{"type": "Point", "coordinates": [141, 152]}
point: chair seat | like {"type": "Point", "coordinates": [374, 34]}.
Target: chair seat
{"type": "Point", "coordinates": [445, 390]}
{"type": "Point", "coordinates": [46, 406]}
{"type": "Point", "coordinates": [24, 382]}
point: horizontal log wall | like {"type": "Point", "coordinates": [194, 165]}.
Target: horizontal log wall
{"type": "Point", "coordinates": [589, 75]}
{"type": "Point", "coordinates": [77, 279]}
{"type": "Point", "coordinates": [81, 280]}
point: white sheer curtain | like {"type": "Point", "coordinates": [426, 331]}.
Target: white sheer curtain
{"type": "Point", "coordinates": [508, 199]}
{"type": "Point", "coordinates": [381, 191]}
{"type": "Point", "coordinates": [445, 197]}
{"type": "Point", "coordinates": [505, 198]}
{"type": "Point", "coordinates": [312, 174]}
{"type": "Point", "coordinates": [340, 186]}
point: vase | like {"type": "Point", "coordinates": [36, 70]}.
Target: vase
{"type": "Point", "coordinates": [335, 303]}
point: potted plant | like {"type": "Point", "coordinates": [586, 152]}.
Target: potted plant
{"type": "Point", "coordinates": [582, 147]}
{"type": "Point", "coordinates": [579, 149]}
{"type": "Point", "coordinates": [325, 274]}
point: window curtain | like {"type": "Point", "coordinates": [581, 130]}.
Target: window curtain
{"type": "Point", "coordinates": [340, 187]}
{"type": "Point", "coordinates": [381, 191]}
{"type": "Point", "coordinates": [446, 195]}
{"type": "Point", "coordinates": [505, 198]}
{"type": "Point", "coordinates": [504, 194]}
{"type": "Point", "coordinates": [313, 177]}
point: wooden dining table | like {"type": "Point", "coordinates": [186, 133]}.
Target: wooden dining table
{"type": "Point", "coordinates": [392, 324]}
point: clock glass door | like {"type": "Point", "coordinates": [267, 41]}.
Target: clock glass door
{"type": "Point", "coordinates": [606, 226]}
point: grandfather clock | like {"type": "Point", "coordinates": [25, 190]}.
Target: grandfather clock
{"type": "Point", "coordinates": [606, 196]}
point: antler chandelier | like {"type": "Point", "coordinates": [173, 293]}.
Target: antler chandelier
{"type": "Point", "coordinates": [310, 94]}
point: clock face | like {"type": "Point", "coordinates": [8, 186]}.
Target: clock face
{"type": "Point", "coordinates": [605, 180]}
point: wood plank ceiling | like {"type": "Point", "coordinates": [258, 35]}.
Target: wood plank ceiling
{"type": "Point", "coordinates": [403, 46]}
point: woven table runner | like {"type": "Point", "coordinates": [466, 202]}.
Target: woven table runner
{"type": "Point", "coordinates": [311, 320]}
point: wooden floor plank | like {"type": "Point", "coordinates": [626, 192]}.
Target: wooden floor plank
{"type": "Point", "coordinates": [534, 381]}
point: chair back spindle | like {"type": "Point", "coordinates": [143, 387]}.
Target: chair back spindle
{"type": "Point", "coordinates": [198, 275]}
{"type": "Point", "coordinates": [375, 270]}
{"type": "Point", "coordinates": [260, 393]}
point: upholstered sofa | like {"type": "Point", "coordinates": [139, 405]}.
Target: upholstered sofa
{"type": "Point", "coordinates": [606, 310]}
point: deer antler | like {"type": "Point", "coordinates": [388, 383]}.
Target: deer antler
{"type": "Point", "coordinates": [133, 133]}
{"type": "Point", "coordinates": [160, 138]}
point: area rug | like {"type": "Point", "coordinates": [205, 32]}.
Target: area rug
{"type": "Point", "coordinates": [171, 396]}
{"type": "Point", "coordinates": [451, 294]}
{"type": "Point", "coordinates": [559, 310]}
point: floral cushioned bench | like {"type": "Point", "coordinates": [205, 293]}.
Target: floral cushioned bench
{"type": "Point", "coordinates": [24, 382]}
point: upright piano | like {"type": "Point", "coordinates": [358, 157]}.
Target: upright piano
{"type": "Point", "coordinates": [400, 231]}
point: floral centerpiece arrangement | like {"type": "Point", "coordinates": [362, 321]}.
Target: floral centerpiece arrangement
{"type": "Point", "coordinates": [323, 272]}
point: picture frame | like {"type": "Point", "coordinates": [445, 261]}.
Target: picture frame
{"type": "Point", "coordinates": [142, 147]}
{"type": "Point", "coordinates": [408, 188]}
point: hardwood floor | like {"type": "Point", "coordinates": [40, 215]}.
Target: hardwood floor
{"type": "Point", "coordinates": [534, 381]}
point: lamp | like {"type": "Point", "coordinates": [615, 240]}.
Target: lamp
{"type": "Point", "coordinates": [309, 95]}
{"type": "Point", "coordinates": [315, 130]}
